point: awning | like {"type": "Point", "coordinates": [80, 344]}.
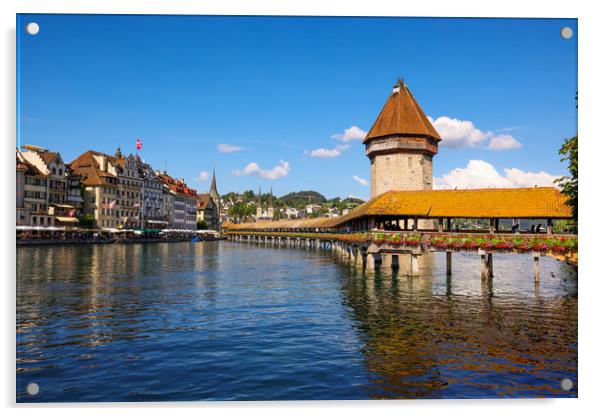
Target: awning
{"type": "Point", "coordinates": [66, 219]}
{"type": "Point", "coordinates": [38, 228]}
{"type": "Point", "coordinates": [63, 206]}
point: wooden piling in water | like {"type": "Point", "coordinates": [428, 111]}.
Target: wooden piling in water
{"type": "Point", "coordinates": [414, 266]}
{"type": "Point", "coordinates": [483, 266]}
{"type": "Point", "coordinates": [536, 265]}
{"type": "Point", "coordinates": [448, 262]}
{"type": "Point", "coordinates": [386, 261]}
{"type": "Point", "coordinates": [370, 262]}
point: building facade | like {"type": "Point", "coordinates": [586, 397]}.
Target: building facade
{"type": "Point", "coordinates": [183, 204]}
{"type": "Point", "coordinates": [207, 211]}
{"type": "Point", "coordinates": [51, 165]}
{"type": "Point", "coordinates": [131, 186]}
{"type": "Point", "coordinates": [35, 194]}
{"type": "Point", "coordinates": [22, 214]}
{"type": "Point", "coordinates": [100, 182]}
{"type": "Point", "coordinates": [74, 191]}
{"type": "Point", "coordinates": [153, 205]}
{"type": "Point", "coordinates": [401, 145]}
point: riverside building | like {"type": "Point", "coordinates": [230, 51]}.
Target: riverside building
{"type": "Point", "coordinates": [184, 205]}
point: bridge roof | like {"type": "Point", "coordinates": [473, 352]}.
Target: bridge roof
{"type": "Point", "coordinates": [469, 203]}
{"type": "Point", "coordinates": [466, 203]}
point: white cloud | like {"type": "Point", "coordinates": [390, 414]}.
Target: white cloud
{"type": "Point", "coordinates": [324, 153]}
{"type": "Point", "coordinates": [228, 148]}
{"type": "Point", "coordinates": [203, 176]}
{"type": "Point", "coordinates": [352, 133]}
{"type": "Point", "coordinates": [504, 142]}
{"type": "Point", "coordinates": [480, 174]}
{"type": "Point", "coordinates": [278, 171]}
{"type": "Point", "coordinates": [520, 178]}
{"type": "Point", "coordinates": [457, 134]}
{"type": "Point", "coordinates": [507, 129]}
{"type": "Point", "coordinates": [360, 180]}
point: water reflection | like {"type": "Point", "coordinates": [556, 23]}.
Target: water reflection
{"type": "Point", "coordinates": [505, 339]}
{"type": "Point", "coordinates": [229, 321]}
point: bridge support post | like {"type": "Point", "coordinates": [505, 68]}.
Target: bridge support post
{"type": "Point", "coordinates": [448, 262]}
{"type": "Point", "coordinates": [484, 264]}
{"type": "Point", "coordinates": [359, 258]}
{"type": "Point", "coordinates": [348, 252]}
{"type": "Point", "coordinates": [414, 266]}
{"type": "Point", "coordinates": [386, 260]}
{"type": "Point", "coordinates": [550, 227]}
{"type": "Point", "coordinates": [483, 267]}
{"type": "Point", "coordinates": [489, 264]}
{"type": "Point", "coordinates": [370, 262]}
{"type": "Point", "coordinates": [536, 265]}
{"type": "Point", "coordinates": [395, 261]}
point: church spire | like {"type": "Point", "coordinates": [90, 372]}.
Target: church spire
{"type": "Point", "coordinates": [271, 196]}
{"type": "Point", "coordinates": [213, 190]}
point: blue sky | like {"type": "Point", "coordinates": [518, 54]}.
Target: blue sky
{"type": "Point", "coordinates": [274, 89]}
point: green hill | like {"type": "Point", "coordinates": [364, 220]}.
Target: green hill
{"type": "Point", "coordinates": [302, 198]}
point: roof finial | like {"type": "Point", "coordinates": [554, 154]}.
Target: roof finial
{"type": "Point", "coordinates": [399, 85]}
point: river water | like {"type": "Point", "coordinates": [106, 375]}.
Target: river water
{"type": "Point", "coordinates": [231, 321]}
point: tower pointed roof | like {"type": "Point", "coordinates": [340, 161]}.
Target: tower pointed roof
{"type": "Point", "coordinates": [402, 116]}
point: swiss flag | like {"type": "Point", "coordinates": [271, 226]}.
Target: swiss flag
{"type": "Point", "coordinates": [138, 144]}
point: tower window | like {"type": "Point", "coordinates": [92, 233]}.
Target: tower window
{"type": "Point", "coordinates": [410, 162]}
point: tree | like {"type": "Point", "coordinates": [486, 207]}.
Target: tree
{"type": "Point", "coordinates": [568, 184]}
{"type": "Point", "coordinates": [201, 225]}
{"type": "Point", "coordinates": [87, 221]}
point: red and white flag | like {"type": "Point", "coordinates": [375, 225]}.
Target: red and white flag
{"type": "Point", "coordinates": [138, 144]}
{"type": "Point", "coordinates": [112, 204]}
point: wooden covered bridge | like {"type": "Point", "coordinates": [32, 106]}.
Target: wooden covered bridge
{"type": "Point", "coordinates": [419, 219]}
{"type": "Point", "coordinates": [432, 211]}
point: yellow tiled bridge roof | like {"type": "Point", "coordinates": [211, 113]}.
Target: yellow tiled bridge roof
{"type": "Point", "coordinates": [468, 203]}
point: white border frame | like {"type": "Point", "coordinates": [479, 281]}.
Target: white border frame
{"type": "Point", "coordinates": [590, 30]}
